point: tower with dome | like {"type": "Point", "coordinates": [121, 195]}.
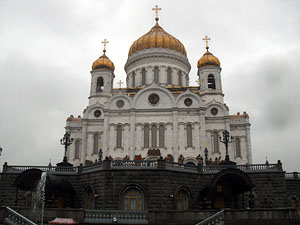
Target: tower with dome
{"type": "Point", "coordinates": [158, 114]}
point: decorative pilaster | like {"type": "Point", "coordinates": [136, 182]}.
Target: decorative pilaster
{"type": "Point", "coordinates": [105, 135]}
{"type": "Point", "coordinates": [202, 131]}
{"type": "Point", "coordinates": [132, 135]}
{"type": "Point", "coordinates": [248, 143]}
{"type": "Point", "coordinates": [175, 135]}
{"type": "Point", "coordinates": [84, 142]}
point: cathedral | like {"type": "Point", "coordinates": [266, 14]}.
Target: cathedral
{"type": "Point", "coordinates": [158, 114]}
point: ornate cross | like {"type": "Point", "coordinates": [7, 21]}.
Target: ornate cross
{"type": "Point", "coordinates": [156, 9]}
{"type": "Point", "coordinates": [104, 43]}
{"type": "Point", "coordinates": [120, 83]}
{"type": "Point", "coordinates": [206, 39]}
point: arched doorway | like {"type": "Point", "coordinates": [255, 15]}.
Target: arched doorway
{"type": "Point", "coordinates": [227, 189]}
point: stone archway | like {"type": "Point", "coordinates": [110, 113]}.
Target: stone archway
{"type": "Point", "coordinates": [227, 189]}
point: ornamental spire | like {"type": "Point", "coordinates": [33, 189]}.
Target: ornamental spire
{"type": "Point", "coordinates": [206, 39]}
{"type": "Point", "coordinates": [156, 9]}
{"type": "Point", "coordinates": [104, 42]}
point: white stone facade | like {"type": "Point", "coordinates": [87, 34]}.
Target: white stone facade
{"type": "Point", "coordinates": [184, 121]}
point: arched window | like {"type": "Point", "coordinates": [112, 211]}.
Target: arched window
{"type": "Point", "coordinates": [237, 147]}
{"type": "Point", "coordinates": [169, 76]}
{"type": "Point", "coordinates": [294, 202]}
{"type": "Point", "coordinates": [146, 136]}
{"type": "Point", "coordinates": [154, 136]}
{"type": "Point", "coordinates": [96, 144]}
{"type": "Point", "coordinates": [133, 79]}
{"type": "Point", "coordinates": [182, 200]}
{"type": "Point", "coordinates": [89, 199]}
{"type": "Point", "coordinates": [179, 78]}
{"type": "Point", "coordinates": [211, 83]}
{"type": "Point", "coordinates": [119, 136]}
{"type": "Point", "coordinates": [133, 200]}
{"type": "Point", "coordinates": [77, 149]}
{"type": "Point", "coordinates": [161, 136]}
{"type": "Point", "coordinates": [216, 142]}
{"type": "Point", "coordinates": [99, 87]}
{"type": "Point", "coordinates": [156, 74]}
{"type": "Point", "coordinates": [189, 135]}
{"type": "Point", "coordinates": [143, 76]}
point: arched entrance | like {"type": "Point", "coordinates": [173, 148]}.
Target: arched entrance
{"type": "Point", "coordinates": [227, 189]}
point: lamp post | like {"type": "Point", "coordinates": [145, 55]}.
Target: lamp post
{"type": "Point", "coordinates": [226, 141]}
{"type": "Point", "coordinates": [66, 141]}
{"type": "Point", "coordinates": [206, 155]}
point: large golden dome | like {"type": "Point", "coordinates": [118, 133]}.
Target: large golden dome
{"type": "Point", "coordinates": [157, 38]}
{"type": "Point", "coordinates": [103, 62]}
{"type": "Point", "coordinates": [208, 59]}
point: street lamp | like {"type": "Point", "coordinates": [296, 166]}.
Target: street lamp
{"type": "Point", "coordinates": [66, 141]}
{"type": "Point", "coordinates": [226, 141]}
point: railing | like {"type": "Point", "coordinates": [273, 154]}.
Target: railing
{"type": "Point", "coordinates": [151, 164]}
{"type": "Point", "coordinates": [93, 167]}
{"type": "Point", "coordinates": [15, 218]}
{"type": "Point", "coordinates": [181, 166]}
{"type": "Point", "coordinates": [292, 176]}
{"type": "Point", "coordinates": [54, 169]}
{"type": "Point", "coordinates": [135, 164]}
{"type": "Point", "coordinates": [216, 219]}
{"type": "Point", "coordinates": [116, 216]}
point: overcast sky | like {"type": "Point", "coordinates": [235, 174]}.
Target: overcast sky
{"type": "Point", "coordinates": [47, 49]}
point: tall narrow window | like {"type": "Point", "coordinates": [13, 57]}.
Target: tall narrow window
{"type": "Point", "coordinates": [237, 147]}
{"type": "Point", "coordinates": [182, 201]}
{"type": "Point", "coordinates": [77, 149]}
{"type": "Point", "coordinates": [216, 142]}
{"type": "Point", "coordinates": [189, 135]}
{"type": "Point", "coordinates": [96, 144]}
{"type": "Point", "coordinates": [133, 200]}
{"type": "Point", "coordinates": [89, 200]}
{"type": "Point", "coordinates": [143, 76]}
{"type": "Point", "coordinates": [161, 136]}
{"type": "Point", "coordinates": [156, 74]}
{"type": "Point", "coordinates": [211, 83]}
{"type": "Point", "coordinates": [133, 79]}
{"type": "Point", "coordinates": [179, 78]}
{"type": "Point", "coordinates": [99, 86]}
{"type": "Point", "coordinates": [119, 136]}
{"type": "Point", "coordinates": [146, 136]}
{"type": "Point", "coordinates": [169, 76]}
{"type": "Point", "coordinates": [154, 136]}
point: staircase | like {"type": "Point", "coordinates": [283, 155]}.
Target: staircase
{"type": "Point", "coordinates": [216, 219]}
{"type": "Point", "coordinates": [15, 218]}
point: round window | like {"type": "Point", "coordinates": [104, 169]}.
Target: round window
{"type": "Point", "coordinates": [214, 111]}
{"type": "Point", "coordinates": [153, 99]}
{"type": "Point", "coordinates": [120, 103]}
{"type": "Point", "coordinates": [188, 102]}
{"type": "Point", "coordinates": [97, 113]}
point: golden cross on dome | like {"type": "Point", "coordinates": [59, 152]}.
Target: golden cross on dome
{"type": "Point", "coordinates": [206, 39]}
{"type": "Point", "coordinates": [104, 43]}
{"type": "Point", "coordinates": [156, 9]}
{"type": "Point", "coordinates": [120, 83]}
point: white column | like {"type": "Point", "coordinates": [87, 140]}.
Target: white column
{"type": "Point", "coordinates": [105, 135]}
{"type": "Point", "coordinates": [84, 140]}
{"type": "Point", "coordinates": [227, 127]}
{"type": "Point", "coordinates": [249, 151]}
{"type": "Point", "coordinates": [202, 131]}
{"type": "Point", "coordinates": [132, 135]}
{"type": "Point", "coordinates": [175, 135]}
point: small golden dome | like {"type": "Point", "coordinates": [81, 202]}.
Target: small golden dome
{"type": "Point", "coordinates": [208, 59]}
{"type": "Point", "coordinates": [157, 38]}
{"type": "Point", "coordinates": [103, 62]}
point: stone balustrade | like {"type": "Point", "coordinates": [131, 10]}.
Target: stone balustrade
{"type": "Point", "coordinates": [17, 219]}
{"type": "Point", "coordinates": [216, 219]}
